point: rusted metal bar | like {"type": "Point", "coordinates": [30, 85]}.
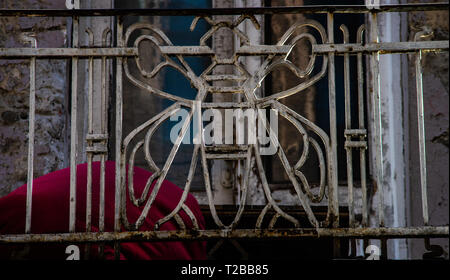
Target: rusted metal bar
{"type": "Point", "coordinates": [220, 148]}
{"type": "Point", "coordinates": [376, 110]}
{"type": "Point", "coordinates": [355, 132]}
{"type": "Point", "coordinates": [213, 78]}
{"type": "Point", "coordinates": [231, 89]}
{"type": "Point", "coordinates": [97, 136]}
{"type": "Point", "coordinates": [226, 105]}
{"type": "Point", "coordinates": [382, 47]}
{"type": "Point", "coordinates": [355, 144]}
{"type": "Point", "coordinates": [141, 236]}
{"type": "Point", "coordinates": [263, 50]}
{"type": "Point", "coordinates": [333, 180]}
{"type": "Point", "coordinates": [66, 52]}
{"type": "Point", "coordinates": [103, 136]}
{"type": "Point", "coordinates": [362, 131]}
{"type": "Point", "coordinates": [348, 126]}
{"type": "Point", "coordinates": [97, 149]}
{"type": "Point", "coordinates": [227, 11]}
{"type": "Point", "coordinates": [226, 156]}
{"type": "Point", "coordinates": [90, 154]}
{"type": "Point", "coordinates": [421, 131]}
{"type": "Point", "coordinates": [73, 127]}
{"type": "Point", "coordinates": [101, 215]}
{"type": "Point", "coordinates": [31, 123]}
{"type": "Point", "coordinates": [119, 164]}
{"type": "Point", "coordinates": [243, 50]}
{"type": "Point", "coordinates": [332, 169]}
{"type": "Point", "coordinates": [186, 50]}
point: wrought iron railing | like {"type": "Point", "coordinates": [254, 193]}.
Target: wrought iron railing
{"type": "Point", "coordinates": [324, 47]}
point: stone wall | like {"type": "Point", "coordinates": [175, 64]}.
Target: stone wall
{"type": "Point", "coordinates": [51, 92]}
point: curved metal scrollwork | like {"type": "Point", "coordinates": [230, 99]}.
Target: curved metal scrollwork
{"type": "Point", "coordinates": [274, 56]}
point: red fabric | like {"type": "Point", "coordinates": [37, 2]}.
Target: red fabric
{"type": "Point", "coordinates": [50, 214]}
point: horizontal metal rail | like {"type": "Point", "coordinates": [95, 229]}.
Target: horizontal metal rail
{"type": "Point", "coordinates": [382, 48]}
{"type": "Point", "coordinates": [66, 52]}
{"type": "Point", "coordinates": [228, 11]}
{"type": "Point", "coordinates": [134, 236]}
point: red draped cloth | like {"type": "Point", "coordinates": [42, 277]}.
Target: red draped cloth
{"type": "Point", "coordinates": [50, 214]}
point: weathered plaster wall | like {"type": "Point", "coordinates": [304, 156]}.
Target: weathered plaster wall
{"type": "Point", "coordinates": [51, 92]}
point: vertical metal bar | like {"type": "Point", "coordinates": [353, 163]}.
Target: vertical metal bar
{"type": "Point", "coordinates": [348, 125]}
{"type": "Point", "coordinates": [333, 180]}
{"type": "Point", "coordinates": [89, 154]}
{"type": "Point", "coordinates": [101, 215]}
{"type": "Point", "coordinates": [31, 124]}
{"type": "Point", "coordinates": [421, 132]}
{"type": "Point", "coordinates": [362, 156]}
{"type": "Point", "coordinates": [378, 136]}
{"type": "Point", "coordinates": [362, 151]}
{"type": "Point", "coordinates": [118, 199]}
{"type": "Point", "coordinates": [101, 222]}
{"type": "Point", "coordinates": [73, 129]}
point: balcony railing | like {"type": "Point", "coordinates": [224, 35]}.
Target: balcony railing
{"type": "Point", "coordinates": [124, 51]}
